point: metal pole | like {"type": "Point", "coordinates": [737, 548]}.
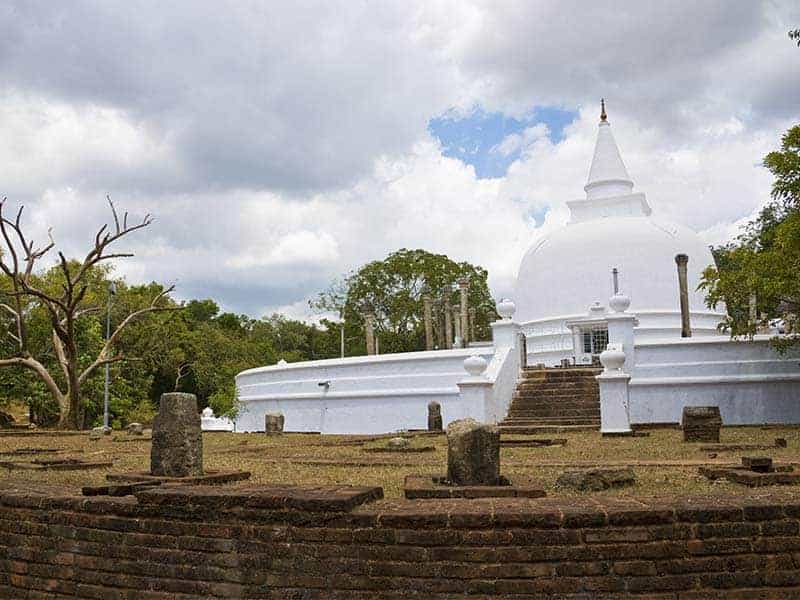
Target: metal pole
{"type": "Point", "coordinates": [341, 340]}
{"type": "Point", "coordinates": [108, 336]}
{"type": "Point", "coordinates": [615, 275]}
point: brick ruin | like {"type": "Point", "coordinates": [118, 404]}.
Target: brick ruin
{"type": "Point", "coordinates": [179, 542]}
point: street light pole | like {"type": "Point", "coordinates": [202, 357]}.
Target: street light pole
{"type": "Point", "coordinates": [112, 290]}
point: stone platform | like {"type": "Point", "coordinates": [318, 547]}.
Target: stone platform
{"type": "Point", "coordinates": [427, 486]}
{"type": "Point", "coordinates": [207, 478]}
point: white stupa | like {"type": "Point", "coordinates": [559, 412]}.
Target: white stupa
{"type": "Point", "coordinates": [566, 272]}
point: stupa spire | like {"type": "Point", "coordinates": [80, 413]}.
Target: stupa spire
{"type": "Point", "coordinates": [607, 175]}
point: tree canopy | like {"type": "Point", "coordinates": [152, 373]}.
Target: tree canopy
{"type": "Point", "coordinates": [393, 289]}
{"type": "Point", "coordinates": [765, 259]}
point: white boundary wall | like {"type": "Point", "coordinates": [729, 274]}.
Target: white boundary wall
{"type": "Point", "coordinates": [749, 381]}
{"type": "Point", "coordinates": [366, 394]}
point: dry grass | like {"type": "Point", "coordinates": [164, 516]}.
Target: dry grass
{"type": "Point", "coordinates": [662, 462]}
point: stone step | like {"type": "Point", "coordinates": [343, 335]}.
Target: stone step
{"type": "Point", "coordinates": [559, 388]}
{"type": "Point", "coordinates": [556, 393]}
{"type": "Point", "coordinates": [554, 418]}
{"type": "Point", "coordinates": [534, 376]}
{"type": "Point", "coordinates": [544, 402]}
{"type": "Point", "coordinates": [538, 429]}
{"type": "Point", "coordinates": [536, 414]}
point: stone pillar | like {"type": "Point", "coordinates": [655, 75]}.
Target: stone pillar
{"type": "Point", "coordinates": [448, 325]}
{"type": "Point", "coordinates": [434, 416]}
{"type": "Point", "coordinates": [273, 422]}
{"type": "Point", "coordinates": [438, 325]}
{"type": "Point", "coordinates": [369, 331]}
{"type": "Point", "coordinates": [427, 314]}
{"type": "Point", "coordinates": [463, 287]}
{"type": "Point", "coordinates": [472, 314]}
{"type": "Point", "coordinates": [753, 317]}
{"type": "Point", "coordinates": [682, 260]}
{"type": "Point", "coordinates": [701, 424]}
{"type": "Point", "coordinates": [458, 342]}
{"type": "Point", "coordinates": [473, 453]}
{"type": "Point", "coordinates": [177, 447]}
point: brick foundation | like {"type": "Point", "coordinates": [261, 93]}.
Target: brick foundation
{"type": "Point", "coordinates": [336, 542]}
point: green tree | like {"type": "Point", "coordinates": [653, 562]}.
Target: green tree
{"type": "Point", "coordinates": [393, 289]}
{"type": "Point", "coordinates": [765, 258]}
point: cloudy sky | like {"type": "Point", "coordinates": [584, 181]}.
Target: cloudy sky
{"type": "Point", "coordinates": [279, 145]}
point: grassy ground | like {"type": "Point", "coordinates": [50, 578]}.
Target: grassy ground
{"type": "Point", "coordinates": [662, 462]}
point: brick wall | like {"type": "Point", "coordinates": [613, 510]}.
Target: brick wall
{"type": "Point", "coordinates": [284, 542]}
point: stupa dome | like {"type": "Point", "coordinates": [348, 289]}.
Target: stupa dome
{"type": "Point", "coordinates": [566, 271]}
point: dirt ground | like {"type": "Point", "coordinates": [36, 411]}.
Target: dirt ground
{"type": "Point", "coordinates": [663, 464]}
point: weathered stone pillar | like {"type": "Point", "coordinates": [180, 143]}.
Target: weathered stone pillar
{"type": "Point", "coordinates": [472, 313]}
{"type": "Point", "coordinates": [463, 286]}
{"type": "Point", "coordinates": [753, 318]}
{"type": "Point", "coordinates": [369, 331]}
{"type": "Point", "coordinates": [458, 342]}
{"type": "Point", "coordinates": [434, 416]}
{"type": "Point", "coordinates": [473, 453]}
{"type": "Point", "coordinates": [701, 424]}
{"type": "Point", "coordinates": [273, 422]}
{"type": "Point", "coordinates": [448, 325]}
{"type": "Point", "coordinates": [427, 313]}
{"type": "Point", "coordinates": [177, 447]}
{"type": "Point", "coordinates": [682, 260]}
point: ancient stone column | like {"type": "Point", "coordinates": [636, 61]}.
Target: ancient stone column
{"type": "Point", "coordinates": [177, 447]}
{"type": "Point", "coordinates": [458, 342]}
{"type": "Point", "coordinates": [682, 260]}
{"type": "Point", "coordinates": [273, 422]}
{"type": "Point", "coordinates": [427, 313]}
{"type": "Point", "coordinates": [369, 330]}
{"type": "Point", "coordinates": [473, 453]}
{"type": "Point", "coordinates": [463, 286]}
{"type": "Point", "coordinates": [472, 313]}
{"type": "Point", "coordinates": [753, 318]}
{"type": "Point", "coordinates": [448, 325]}
{"type": "Point", "coordinates": [434, 416]}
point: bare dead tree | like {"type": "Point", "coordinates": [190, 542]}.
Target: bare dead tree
{"type": "Point", "coordinates": [18, 261]}
{"type": "Point", "coordinates": [183, 370]}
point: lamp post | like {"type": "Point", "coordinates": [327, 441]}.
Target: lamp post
{"type": "Point", "coordinates": [112, 290]}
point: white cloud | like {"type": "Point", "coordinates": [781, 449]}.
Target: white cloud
{"type": "Point", "coordinates": [292, 147]}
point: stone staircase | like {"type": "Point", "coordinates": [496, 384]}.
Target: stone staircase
{"type": "Point", "coordinates": [554, 400]}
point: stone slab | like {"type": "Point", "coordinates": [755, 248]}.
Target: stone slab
{"type": "Point", "coordinates": [209, 477]}
{"type": "Point", "coordinates": [324, 498]}
{"type": "Point", "coordinates": [595, 480]}
{"type": "Point", "coordinates": [122, 489]}
{"type": "Point", "coordinates": [419, 487]}
{"type": "Point", "coordinates": [625, 434]}
{"type": "Point", "coordinates": [59, 465]}
{"type": "Point", "coordinates": [782, 475]}
{"type": "Point", "coordinates": [34, 451]}
{"type": "Point", "coordinates": [759, 464]}
{"type": "Point", "coordinates": [533, 442]}
{"type": "Point", "coordinates": [779, 443]}
{"type": "Point", "coordinates": [411, 450]}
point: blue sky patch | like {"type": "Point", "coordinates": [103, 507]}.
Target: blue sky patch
{"type": "Point", "coordinates": [474, 139]}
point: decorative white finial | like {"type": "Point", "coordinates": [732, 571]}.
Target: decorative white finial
{"type": "Point", "coordinates": [612, 358]}
{"type": "Point", "coordinates": [506, 309]}
{"type": "Point", "coordinates": [619, 302]}
{"type": "Point", "coordinates": [475, 365]}
{"type": "Point", "coordinates": [597, 310]}
{"type": "Point", "coordinates": [208, 412]}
